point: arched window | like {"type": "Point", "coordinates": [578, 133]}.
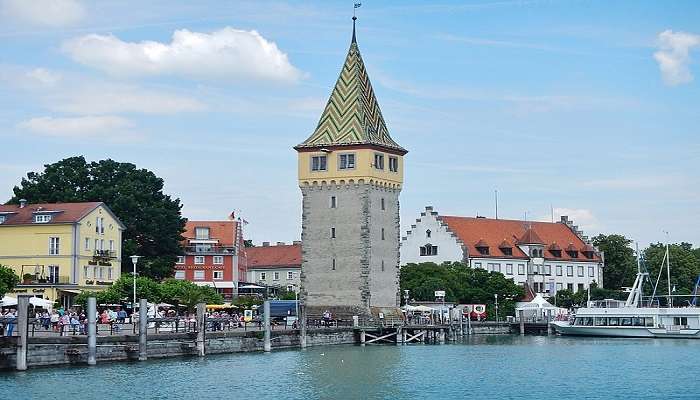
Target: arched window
{"type": "Point", "coordinates": [428, 233]}
{"type": "Point", "coordinates": [428, 250]}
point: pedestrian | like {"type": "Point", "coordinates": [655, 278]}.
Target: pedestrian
{"type": "Point", "coordinates": [54, 320]}
{"type": "Point", "coordinates": [10, 322]}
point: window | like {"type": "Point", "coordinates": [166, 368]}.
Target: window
{"type": "Point", "coordinates": [54, 246]}
{"type": "Point", "coordinates": [334, 202]}
{"type": "Point", "coordinates": [569, 270]}
{"type": "Point", "coordinates": [290, 275]}
{"type": "Point", "coordinates": [382, 233]}
{"type": "Point", "coordinates": [217, 275]}
{"type": "Point", "coordinates": [428, 250]}
{"type": "Point", "coordinates": [199, 259]}
{"type": "Point", "coordinates": [102, 244]}
{"type": "Point", "coordinates": [42, 218]}
{"type": "Point", "coordinates": [570, 287]}
{"type": "Point", "coordinates": [199, 275]}
{"type": "Point", "coordinates": [558, 270]}
{"type": "Point", "coordinates": [560, 286]}
{"type": "Point", "coordinates": [102, 272]}
{"type": "Point", "coordinates": [318, 163]}
{"type": "Point", "coordinates": [495, 267]}
{"type": "Point", "coordinates": [201, 233]}
{"type": "Point", "coordinates": [346, 161]}
{"type": "Point", "coordinates": [383, 204]}
{"type": "Point", "coordinates": [263, 276]}
{"type": "Point", "coordinates": [333, 233]}
{"type": "Point", "coordinates": [102, 226]}
{"type": "Point", "coordinates": [379, 161]}
{"type": "Point", "coordinates": [87, 243]}
{"type": "Point", "coordinates": [477, 265]}
{"type": "Point", "coordinates": [548, 270]}
{"type": "Point", "coordinates": [97, 244]}
{"type": "Point", "coordinates": [428, 233]}
{"type": "Point", "coordinates": [2, 218]}
{"type": "Point", "coordinates": [382, 265]}
{"type": "Point", "coordinates": [580, 270]}
{"type": "Point", "coordinates": [109, 273]}
{"type": "Point", "coordinates": [393, 164]}
{"type": "Point", "coordinates": [94, 272]}
{"type": "Point", "coordinates": [218, 260]}
{"type": "Point", "coordinates": [521, 269]}
{"type": "Point", "coordinates": [179, 274]}
{"type": "Point", "coordinates": [97, 225]}
{"type": "Point", "coordinates": [509, 269]}
{"type": "Point", "coordinates": [290, 288]}
{"type": "Point", "coordinates": [111, 245]}
{"type": "Point", "coordinates": [180, 260]}
{"type": "Point", "coordinates": [333, 265]}
{"type": "Point", "coordinates": [581, 288]}
{"type": "Point", "coordinates": [86, 271]}
{"type": "Point", "coordinates": [591, 271]}
{"type": "Point", "coordinates": [507, 251]}
{"type": "Point", "coordinates": [276, 276]}
{"type": "Point", "coordinates": [53, 273]}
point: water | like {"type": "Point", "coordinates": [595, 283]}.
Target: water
{"type": "Point", "coordinates": [484, 367]}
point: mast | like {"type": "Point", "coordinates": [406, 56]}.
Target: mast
{"type": "Point", "coordinates": [668, 275]}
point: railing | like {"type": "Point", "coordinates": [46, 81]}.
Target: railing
{"type": "Point", "coordinates": [213, 249]}
{"type": "Point", "coordinates": [105, 254]}
{"type": "Point", "coordinates": [46, 280]}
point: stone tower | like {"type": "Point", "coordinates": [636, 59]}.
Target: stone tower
{"type": "Point", "coordinates": [350, 175]}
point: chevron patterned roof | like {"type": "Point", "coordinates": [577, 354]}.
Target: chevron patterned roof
{"type": "Point", "coordinates": [352, 115]}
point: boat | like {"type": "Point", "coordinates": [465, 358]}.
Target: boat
{"type": "Point", "coordinates": [635, 317]}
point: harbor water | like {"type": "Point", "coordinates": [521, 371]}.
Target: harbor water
{"type": "Point", "coordinates": [482, 367]}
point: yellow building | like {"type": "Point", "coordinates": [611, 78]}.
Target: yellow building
{"type": "Point", "coordinates": [61, 249]}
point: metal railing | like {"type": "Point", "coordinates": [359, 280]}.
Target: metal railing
{"type": "Point", "coordinates": [214, 249]}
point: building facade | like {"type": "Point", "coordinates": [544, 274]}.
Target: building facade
{"type": "Point", "coordinates": [212, 255]}
{"type": "Point", "coordinates": [546, 256]}
{"type": "Point", "coordinates": [350, 175]}
{"type": "Point", "coordinates": [61, 249]}
{"type": "Point", "coordinates": [275, 266]}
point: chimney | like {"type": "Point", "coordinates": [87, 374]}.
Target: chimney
{"type": "Point", "coordinates": [296, 242]}
{"type": "Point", "coordinates": [564, 219]}
{"type": "Point", "coordinates": [266, 244]}
{"type": "Point", "coordinates": [280, 243]}
{"type": "Point", "coordinates": [22, 203]}
{"type": "Point", "coordinates": [232, 216]}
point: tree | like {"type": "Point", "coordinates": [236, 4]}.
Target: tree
{"type": "Point", "coordinates": [685, 267]}
{"type": "Point", "coordinates": [620, 262]}
{"type": "Point", "coordinates": [146, 288]}
{"type": "Point", "coordinates": [8, 280]}
{"type": "Point", "coordinates": [153, 221]}
{"type": "Point", "coordinates": [177, 291]}
{"type": "Point", "coordinates": [248, 243]}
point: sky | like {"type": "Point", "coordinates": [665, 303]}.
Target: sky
{"type": "Point", "coordinates": [589, 109]}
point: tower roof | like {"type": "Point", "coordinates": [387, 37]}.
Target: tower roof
{"type": "Point", "coordinates": [352, 115]}
{"type": "Point", "coordinates": [530, 237]}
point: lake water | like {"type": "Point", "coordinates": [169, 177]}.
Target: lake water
{"type": "Point", "coordinates": [482, 367]}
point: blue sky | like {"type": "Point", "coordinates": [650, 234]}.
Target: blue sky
{"type": "Point", "coordinates": [586, 107]}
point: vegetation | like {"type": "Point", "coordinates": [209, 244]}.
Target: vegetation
{"type": "Point", "coordinates": [461, 285]}
{"type": "Point", "coordinates": [685, 266]}
{"type": "Point", "coordinates": [8, 280]}
{"type": "Point", "coordinates": [152, 219]}
{"type": "Point", "coordinates": [620, 261]}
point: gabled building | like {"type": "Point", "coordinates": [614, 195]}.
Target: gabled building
{"type": "Point", "coordinates": [212, 255]}
{"type": "Point", "coordinates": [276, 266]}
{"type": "Point", "coordinates": [61, 249]}
{"type": "Point", "coordinates": [546, 256]}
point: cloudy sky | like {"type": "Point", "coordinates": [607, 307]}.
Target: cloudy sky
{"type": "Point", "coordinates": [587, 108]}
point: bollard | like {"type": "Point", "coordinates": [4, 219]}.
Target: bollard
{"type": "Point", "coordinates": [362, 337]}
{"type": "Point", "coordinates": [549, 323]}
{"type": "Point", "coordinates": [521, 316]}
{"type": "Point", "coordinates": [398, 336]}
{"type": "Point", "coordinates": [201, 329]}
{"type": "Point", "coordinates": [22, 321]}
{"type": "Point", "coordinates": [143, 329]}
{"type": "Point", "coordinates": [92, 330]}
{"type": "Point", "coordinates": [302, 327]}
{"type": "Point", "coordinates": [441, 336]}
{"type": "Point", "coordinates": [266, 309]}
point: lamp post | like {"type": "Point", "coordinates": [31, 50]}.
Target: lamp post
{"type": "Point", "coordinates": [495, 295]}
{"type": "Point", "coordinates": [134, 260]}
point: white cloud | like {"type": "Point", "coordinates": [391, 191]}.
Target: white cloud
{"type": "Point", "coordinates": [44, 76]}
{"type": "Point", "coordinates": [227, 54]}
{"type": "Point", "coordinates": [105, 126]}
{"type": "Point", "coordinates": [52, 13]}
{"type": "Point", "coordinates": [674, 56]}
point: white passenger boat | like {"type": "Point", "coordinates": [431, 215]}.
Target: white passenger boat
{"type": "Point", "coordinates": [631, 318]}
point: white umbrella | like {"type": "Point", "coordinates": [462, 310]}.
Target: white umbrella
{"type": "Point", "coordinates": [423, 308]}
{"type": "Point", "coordinates": [9, 301]}
{"type": "Point", "coordinates": [37, 302]}
{"type": "Point", "coordinates": [251, 287]}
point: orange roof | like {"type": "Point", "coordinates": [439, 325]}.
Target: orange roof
{"type": "Point", "coordinates": [223, 231]}
{"type": "Point", "coordinates": [474, 230]}
{"type": "Point", "coordinates": [530, 237]}
{"type": "Point", "coordinates": [288, 255]}
{"type": "Point", "coordinates": [62, 213]}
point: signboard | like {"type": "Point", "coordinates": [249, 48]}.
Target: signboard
{"type": "Point", "coordinates": [439, 293]}
{"type": "Point", "coordinates": [197, 267]}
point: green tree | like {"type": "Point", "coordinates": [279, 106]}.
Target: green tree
{"type": "Point", "coordinates": [620, 262]}
{"type": "Point", "coordinates": [175, 291]}
{"type": "Point", "coordinates": [146, 288]}
{"type": "Point", "coordinates": [153, 221]}
{"type": "Point", "coordinates": [8, 280]}
{"type": "Point", "coordinates": [685, 266]}
{"type": "Point", "coordinates": [108, 296]}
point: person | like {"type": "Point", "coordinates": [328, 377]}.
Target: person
{"type": "Point", "coordinates": [63, 322]}
{"type": "Point", "coordinates": [326, 318]}
{"type": "Point", "coordinates": [45, 320]}
{"type": "Point", "coordinates": [54, 320]}
{"type": "Point", "coordinates": [74, 322]}
{"type": "Point", "coordinates": [121, 315]}
{"type": "Point", "coordinates": [10, 322]}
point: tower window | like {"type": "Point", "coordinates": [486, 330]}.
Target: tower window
{"type": "Point", "coordinates": [319, 163]}
{"type": "Point", "coordinates": [333, 264]}
{"type": "Point", "coordinates": [379, 161]}
{"type": "Point", "coordinates": [382, 233]}
{"type": "Point", "coordinates": [333, 233]}
{"type": "Point", "coordinates": [346, 161]}
{"type": "Point", "coordinates": [334, 202]}
{"type": "Point", "coordinates": [393, 164]}
{"type": "Point", "coordinates": [383, 204]}
{"type": "Point", "coordinates": [428, 250]}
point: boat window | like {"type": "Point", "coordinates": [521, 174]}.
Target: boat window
{"type": "Point", "coordinates": [588, 321]}
{"type": "Point", "coordinates": [680, 320]}
{"type": "Point", "coordinates": [638, 321]}
{"type": "Point", "coordinates": [578, 321]}
{"type": "Point", "coordinates": [626, 322]}
{"type": "Point", "coordinates": [613, 321]}
{"type": "Point", "coordinates": [600, 321]}
{"type": "Point", "coordinates": [649, 321]}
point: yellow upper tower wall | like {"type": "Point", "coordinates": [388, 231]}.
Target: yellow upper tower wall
{"type": "Point", "coordinates": [363, 168]}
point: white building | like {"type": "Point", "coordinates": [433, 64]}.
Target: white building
{"type": "Point", "coordinates": [277, 266]}
{"type": "Point", "coordinates": [548, 256]}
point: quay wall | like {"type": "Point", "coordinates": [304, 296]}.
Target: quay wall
{"type": "Point", "coordinates": [51, 351]}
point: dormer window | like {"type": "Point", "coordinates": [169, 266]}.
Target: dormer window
{"type": "Point", "coordinates": [482, 247]}
{"type": "Point", "coordinates": [556, 253]}
{"type": "Point", "coordinates": [507, 251]}
{"type": "Point", "coordinates": [201, 233]}
{"type": "Point", "coordinates": [572, 251]}
{"type": "Point", "coordinates": [42, 218]}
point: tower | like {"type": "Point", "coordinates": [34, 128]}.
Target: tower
{"type": "Point", "coordinates": [350, 175]}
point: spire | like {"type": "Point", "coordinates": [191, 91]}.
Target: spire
{"type": "Point", "coordinates": [352, 115]}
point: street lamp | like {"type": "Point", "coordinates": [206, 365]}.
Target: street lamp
{"type": "Point", "coordinates": [495, 295]}
{"type": "Point", "coordinates": [405, 296]}
{"type": "Point", "coordinates": [134, 260]}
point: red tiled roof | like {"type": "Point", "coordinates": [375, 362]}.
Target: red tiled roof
{"type": "Point", "coordinates": [530, 237]}
{"type": "Point", "coordinates": [471, 230]}
{"type": "Point", "coordinates": [274, 256]}
{"type": "Point", "coordinates": [481, 243]}
{"type": "Point", "coordinates": [62, 213]}
{"type": "Point", "coordinates": [505, 244]}
{"type": "Point", "coordinates": [223, 231]}
{"type": "Point", "coordinates": [554, 247]}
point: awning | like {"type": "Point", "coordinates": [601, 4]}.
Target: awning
{"type": "Point", "coordinates": [251, 287]}
{"type": "Point", "coordinates": [9, 301]}
{"type": "Point", "coordinates": [74, 291]}
{"type": "Point", "coordinates": [218, 285]}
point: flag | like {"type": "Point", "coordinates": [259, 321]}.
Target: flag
{"type": "Point", "coordinates": [357, 5]}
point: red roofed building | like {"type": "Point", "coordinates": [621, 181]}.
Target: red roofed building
{"type": "Point", "coordinates": [277, 266]}
{"type": "Point", "coordinates": [213, 255]}
{"type": "Point", "coordinates": [547, 256]}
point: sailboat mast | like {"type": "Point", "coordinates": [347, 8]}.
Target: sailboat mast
{"type": "Point", "coordinates": [668, 275]}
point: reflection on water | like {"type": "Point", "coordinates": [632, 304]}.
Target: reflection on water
{"type": "Point", "coordinates": [481, 367]}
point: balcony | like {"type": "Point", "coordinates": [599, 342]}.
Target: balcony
{"type": "Point", "coordinates": [210, 249]}
{"type": "Point", "coordinates": [104, 254]}
{"type": "Point", "coordinates": [46, 280]}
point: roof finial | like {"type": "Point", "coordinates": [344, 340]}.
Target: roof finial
{"type": "Point", "coordinates": [354, 18]}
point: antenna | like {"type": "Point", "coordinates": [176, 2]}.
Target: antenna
{"type": "Point", "coordinates": [496, 194]}
{"type": "Point", "coordinates": [551, 209]}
